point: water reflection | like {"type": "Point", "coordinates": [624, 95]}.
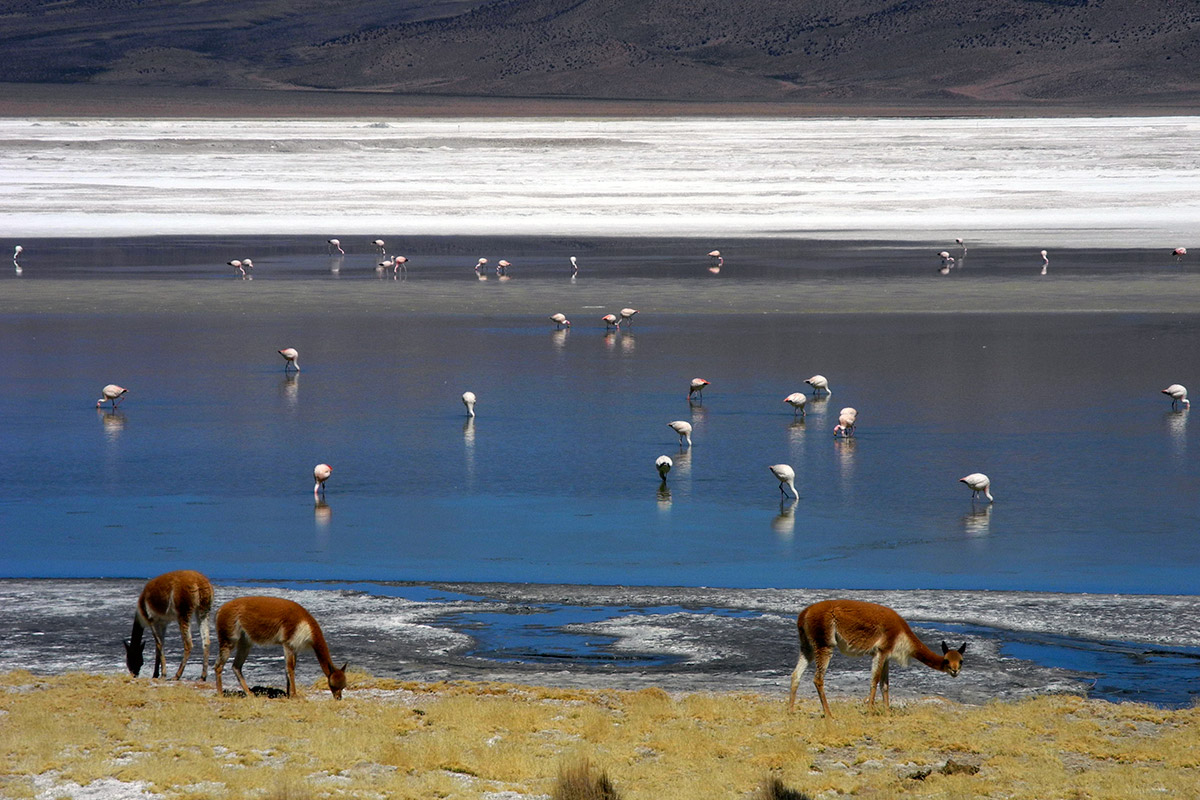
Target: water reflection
{"type": "Point", "coordinates": [289, 389]}
{"type": "Point", "coordinates": [1177, 429]}
{"type": "Point", "coordinates": [844, 448]}
{"type": "Point", "coordinates": [558, 339]}
{"type": "Point", "coordinates": [664, 496]}
{"type": "Point", "coordinates": [335, 265]}
{"type": "Point", "coordinates": [322, 513]}
{"type": "Point", "coordinates": [469, 450]}
{"type": "Point", "coordinates": [628, 342]}
{"type": "Point", "coordinates": [795, 436]}
{"type": "Point", "coordinates": [113, 422]}
{"type": "Point", "coordinates": [977, 522]}
{"type": "Point", "coordinates": [784, 522]}
{"type": "Point", "coordinates": [683, 464]}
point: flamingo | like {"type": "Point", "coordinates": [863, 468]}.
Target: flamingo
{"type": "Point", "coordinates": [684, 429]}
{"type": "Point", "coordinates": [627, 315]}
{"type": "Point", "coordinates": [382, 266]}
{"type": "Point", "coordinates": [847, 418]}
{"type": "Point", "coordinates": [796, 400]}
{"type": "Point", "coordinates": [290, 354]}
{"type": "Point", "coordinates": [399, 263]}
{"type": "Point", "coordinates": [560, 321]}
{"type": "Point", "coordinates": [960, 243]}
{"type": "Point", "coordinates": [335, 243]}
{"type": "Point", "coordinates": [697, 388]}
{"type": "Point", "coordinates": [17, 252]}
{"type": "Point", "coordinates": [717, 260]}
{"type": "Point", "coordinates": [480, 264]}
{"type": "Point", "coordinates": [610, 321]}
{"type": "Point", "coordinates": [112, 394]}
{"type": "Point", "coordinates": [785, 474]}
{"type": "Point", "coordinates": [1179, 253]}
{"type": "Point", "coordinates": [574, 267]}
{"type": "Point", "coordinates": [502, 268]}
{"type": "Point", "coordinates": [468, 399]}
{"type": "Point", "coordinates": [247, 263]}
{"type": "Point", "coordinates": [663, 464]}
{"type": "Point", "coordinates": [238, 265]}
{"type": "Point", "coordinates": [1178, 394]}
{"type": "Point", "coordinates": [947, 259]}
{"type": "Point", "coordinates": [1045, 262]}
{"type": "Point", "coordinates": [379, 243]}
{"type": "Point", "coordinates": [978, 482]}
{"type": "Point", "coordinates": [321, 472]}
{"type": "Point", "coordinates": [820, 385]}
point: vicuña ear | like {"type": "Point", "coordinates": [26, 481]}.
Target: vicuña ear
{"type": "Point", "coordinates": [945, 647]}
{"type": "Point", "coordinates": [962, 649]}
{"type": "Point", "coordinates": [345, 665]}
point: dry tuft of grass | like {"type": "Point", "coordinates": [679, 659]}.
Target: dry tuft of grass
{"type": "Point", "coordinates": [773, 789]}
{"type": "Point", "coordinates": [390, 739]}
{"type": "Point", "coordinates": [583, 781]}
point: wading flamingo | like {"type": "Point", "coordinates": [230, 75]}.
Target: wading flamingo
{"type": "Point", "coordinates": [820, 385]}
{"type": "Point", "coordinates": [717, 260]}
{"type": "Point", "coordinates": [627, 316]}
{"type": "Point", "coordinates": [1178, 394]}
{"type": "Point", "coordinates": [239, 265]}
{"type": "Point", "coordinates": [399, 263]}
{"type": "Point", "coordinates": [961, 244]}
{"type": "Point", "coordinates": [574, 267]}
{"type": "Point", "coordinates": [785, 475]}
{"type": "Point", "coordinates": [796, 400]}
{"type": "Point", "coordinates": [290, 356]}
{"type": "Point", "coordinates": [502, 268]}
{"type": "Point", "coordinates": [858, 628]}
{"type": "Point", "coordinates": [468, 399]}
{"type": "Point", "coordinates": [697, 388]}
{"type": "Point", "coordinates": [335, 243]}
{"type": "Point", "coordinates": [321, 473]}
{"type": "Point", "coordinates": [379, 244]}
{"type": "Point", "coordinates": [610, 321]}
{"type": "Point", "coordinates": [847, 419]}
{"type": "Point", "coordinates": [560, 321]}
{"type": "Point", "coordinates": [111, 394]}
{"type": "Point", "coordinates": [978, 482]}
{"type": "Point", "coordinates": [947, 259]}
{"type": "Point", "coordinates": [1178, 252]}
{"type": "Point", "coordinates": [684, 429]}
{"type": "Point", "coordinates": [173, 596]}
{"type": "Point", "coordinates": [1045, 262]}
{"type": "Point", "coordinates": [663, 464]}
{"type": "Point", "coordinates": [17, 253]}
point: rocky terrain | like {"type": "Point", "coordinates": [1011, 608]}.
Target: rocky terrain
{"type": "Point", "coordinates": [1098, 52]}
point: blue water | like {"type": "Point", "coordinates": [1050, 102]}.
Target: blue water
{"type": "Point", "coordinates": [207, 462]}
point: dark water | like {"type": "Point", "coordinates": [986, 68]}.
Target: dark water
{"type": "Point", "coordinates": [207, 463]}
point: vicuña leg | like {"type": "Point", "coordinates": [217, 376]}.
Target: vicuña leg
{"type": "Point", "coordinates": [290, 657]}
{"type": "Point", "coordinates": [822, 662]}
{"type": "Point", "coordinates": [205, 639]}
{"type": "Point", "coordinates": [185, 631]}
{"type": "Point", "coordinates": [243, 650]}
{"type": "Point", "coordinates": [158, 630]}
{"type": "Point", "coordinates": [806, 656]}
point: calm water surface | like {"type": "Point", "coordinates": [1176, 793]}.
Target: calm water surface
{"type": "Point", "coordinates": [207, 463]}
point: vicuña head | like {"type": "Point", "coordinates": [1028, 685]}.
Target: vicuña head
{"type": "Point", "coordinates": [858, 628]}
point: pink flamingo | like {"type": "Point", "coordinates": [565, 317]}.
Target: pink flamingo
{"type": "Point", "coordinates": [379, 243]}
{"type": "Point", "coordinates": [290, 356]}
{"type": "Point", "coordinates": [335, 243]}
{"type": "Point", "coordinates": [697, 388]}
{"type": "Point", "coordinates": [111, 394]}
{"type": "Point", "coordinates": [717, 260]}
{"type": "Point", "coordinates": [321, 473]}
{"type": "Point", "coordinates": [1179, 253]}
{"type": "Point", "coordinates": [797, 401]}
{"type": "Point", "coordinates": [399, 263]}
{"type": "Point", "coordinates": [611, 321]}
{"type": "Point", "coordinates": [1045, 262]}
{"type": "Point", "coordinates": [560, 321]}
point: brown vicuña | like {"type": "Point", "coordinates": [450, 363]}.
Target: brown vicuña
{"type": "Point", "coordinates": [858, 628]}
{"type": "Point", "coordinates": [248, 621]}
{"type": "Point", "coordinates": [178, 596]}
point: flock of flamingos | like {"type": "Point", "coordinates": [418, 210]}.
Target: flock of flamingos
{"type": "Point", "coordinates": [855, 627]}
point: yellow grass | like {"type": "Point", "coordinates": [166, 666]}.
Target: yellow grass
{"type": "Point", "coordinates": [469, 740]}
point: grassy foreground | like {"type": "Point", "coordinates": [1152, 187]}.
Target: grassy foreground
{"type": "Point", "coordinates": [502, 742]}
